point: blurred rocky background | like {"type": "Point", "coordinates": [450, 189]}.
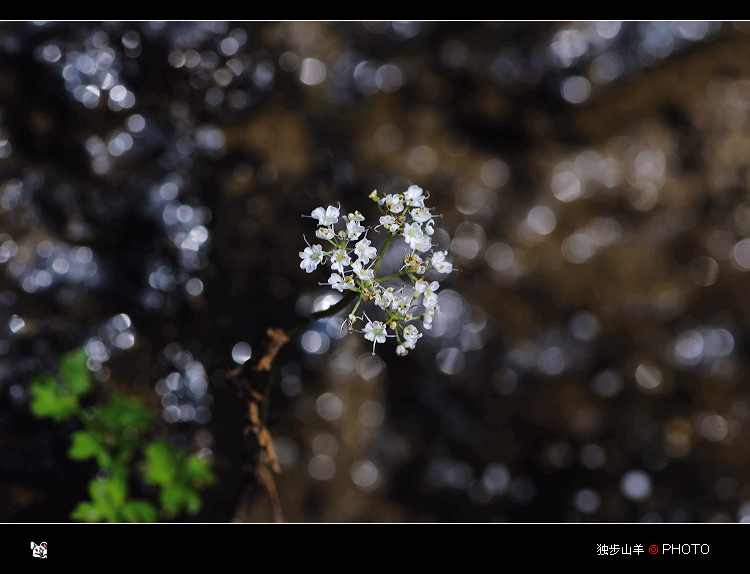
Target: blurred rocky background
{"type": "Point", "coordinates": [591, 358]}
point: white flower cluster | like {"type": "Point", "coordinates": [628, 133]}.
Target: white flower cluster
{"type": "Point", "coordinates": [355, 267]}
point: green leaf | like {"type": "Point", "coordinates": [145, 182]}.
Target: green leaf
{"type": "Point", "coordinates": [103, 502]}
{"type": "Point", "coordinates": [120, 413]}
{"type": "Point", "coordinates": [198, 471]}
{"type": "Point", "coordinates": [75, 373]}
{"type": "Point", "coordinates": [117, 489]}
{"type": "Point", "coordinates": [193, 501]}
{"type": "Point", "coordinates": [123, 451]}
{"type": "Point", "coordinates": [48, 401]}
{"type": "Point", "coordinates": [111, 492]}
{"type": "Point", "coordinates": [161, 463]}
{"type": "Point", "coordinates": [139, 511]}
{"type": "Point", "coordinates": [86, 444]}
{"type": "Point", "coordinates": [179, 496]}
{"type": "Point", "coordinates": [86, 512]}
{"type": "Point", "coordinates": [97, 490]}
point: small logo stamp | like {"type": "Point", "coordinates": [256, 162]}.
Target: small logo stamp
{"type": "Point", "coordinates": [39, 550]}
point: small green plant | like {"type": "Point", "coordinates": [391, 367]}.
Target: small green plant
{"type": "Point", "coordinates": [112, 436]}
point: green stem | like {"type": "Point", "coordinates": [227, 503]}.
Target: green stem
{"type": "Point", "coordinates": [393, 276]}
{"type": "Point", "coordinates": [382, 253]}
{"type": "Point", "coordinates": [356, 305]}
{"type": "Point", "coordinates": [332, 310]}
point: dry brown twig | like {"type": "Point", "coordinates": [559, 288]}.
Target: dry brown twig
{"type": "Point", "coordinates": [265, 479]}
{"type": "Point", "coordinates": [277, 339]}
{"type": "Point", "coordinates": [268, 484]}
{"type": "Point", "coordinates": [265, 441]}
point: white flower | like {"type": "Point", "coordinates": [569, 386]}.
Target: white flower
{"type": "Point", "coordinates": [429, 315]}
{"type": "Point", "coordinates": [411, 335]}
{"type": "Point", "coordinates": [440, 264]}
{"type": "Point", "coordinates": [364, 252]}
{"type": "Point", "coordinates": [339, 260]}
{"type": "Point", "coordinates": [325, 233]}
{"type": "Point", "coordinates": [356, 216]}
{"type": "Point", "coordinates": [424, 243]}
{"type": "Point", "coordinates": [428, 228]}
{"type": "Point", "coordinates": [380, 299]}
{"type": "Point", "coordinates": [413, 234]}
{"type": "Point", "coordinates": [401, 351]}
{"type": "Point", "coordinates": [429, 297]}
{"type": "Point", "coordinates": [389, 295]}
{"type": "Point", "coordinates": [375, 332]}
{"type": "Point", "coordinates": [394, 203]}
{"type": "Point", "coordinates": [362, 273]}
{"type": "Point", "coordinates": [311, 257]}
{"type": "Point", "coordinates": [401, 304]}
{"type": "Point", "coordinates": [327, 216]}
{"type": "Point", "coordinates": [384, 297]}
{"type": "Point", "coordinates": [430, 300]}
{"type": "Point", "coordinates": [421, 286]}
{"type": "Point", "coordinates": [390, 223]}
{"type": "Point", "coordinates": [411, 332]}
{"type": "Point", "coordinates": [434, 286]}
{"type": "Point", "coordinates": [421, 214]}
{"type": "Point", "coordinates": [414, 196]}
{"type": "Point", "coordinates": [336, 282]}
{"type": "Point", "coordinates": [354, 229]}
